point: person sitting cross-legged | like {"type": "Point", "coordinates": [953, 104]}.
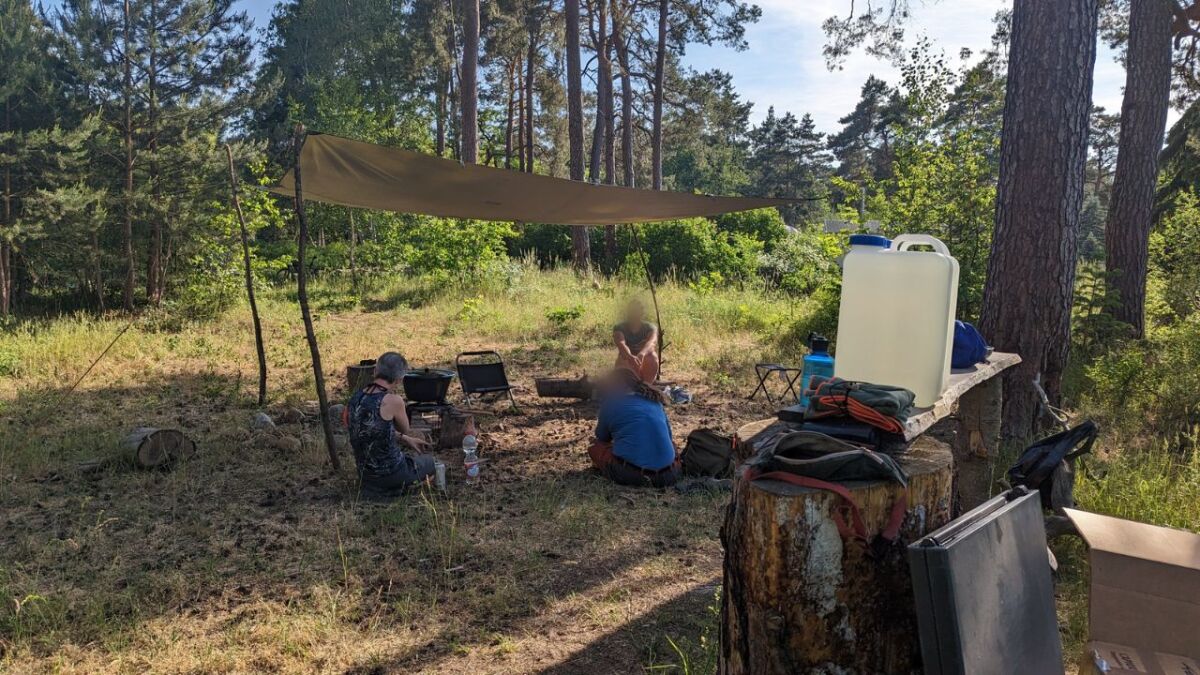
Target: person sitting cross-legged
{"type": "Point", "coordinates": [637, 342]}
{"type": "Point", "coordinates": [378, 424]}
{"type": "Point", "coordinates": [633, 443]}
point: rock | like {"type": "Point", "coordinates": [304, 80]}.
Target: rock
{"type": "Point", "coordinates": [291, 416]}
{"type": "Point", "coordinates": [285, 443]}
{"type": "Point", "coordinates": [261, 421]}
{"type": "Point", "coordinates": [337, 412]}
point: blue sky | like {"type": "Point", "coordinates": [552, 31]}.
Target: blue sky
{"type": "Point", "coordinates": [784, 67]}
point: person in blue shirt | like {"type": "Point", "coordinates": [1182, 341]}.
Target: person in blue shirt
{"type": "Point", "coordinates": [633, 443]}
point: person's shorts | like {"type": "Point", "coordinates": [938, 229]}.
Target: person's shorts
{"type": "Point", "coordinates": [412, 472]}
{"type": "Point", "coordinates": [623, 473]}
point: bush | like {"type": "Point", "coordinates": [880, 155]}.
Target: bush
{"type": "Point", "coordinates": [694, 247]}
{"type": "Point", "coordinates": [1150, 383]}
{"type": "Point", "coordinates": [763, 225]}
{"type": "Point", "coordinates": [802, 261]}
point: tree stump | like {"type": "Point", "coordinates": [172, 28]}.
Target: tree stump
{"type": "Point", "coordinates": [799, 599]}
{"type": "Point", "coordinates": [158, 448]}
{"type": "Point", "coordinates": [360, 374]}
{"type": "Point", "coordinates": [455, 425]}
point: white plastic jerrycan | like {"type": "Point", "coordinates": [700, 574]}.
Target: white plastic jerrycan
{"type": "Point", "coordinates": [896, 321]}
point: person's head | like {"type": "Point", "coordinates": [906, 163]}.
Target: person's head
{"type": "Point", "coordinates": [635, 311]}
{"type": "Point", "coordinates": [625, 381]}
{"type": "Point", "coordinates": [390, 367]}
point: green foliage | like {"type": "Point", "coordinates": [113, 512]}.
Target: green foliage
{"type": "Point", "coordinates": [802, 262]}
{"type": "Point", "coordinates": [764, 225]}
{"type": "Point", "coordinates": [562, 318]}
{"type": "Point", "coordinates": [1151, 383]}
{"type": "Point", "coordinates": [693, 247]}
{"type": "Point", "coordinates": [1174, 252]}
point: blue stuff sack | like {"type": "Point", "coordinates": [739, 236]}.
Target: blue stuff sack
{"type": "Point", "coordinates": [969, 346]}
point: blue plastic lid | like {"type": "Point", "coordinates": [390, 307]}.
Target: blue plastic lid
{"type": "Point", "coordinates": [870, 240]}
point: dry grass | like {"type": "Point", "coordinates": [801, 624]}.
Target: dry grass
{"type": "Point", "coordinates": [250, 559]}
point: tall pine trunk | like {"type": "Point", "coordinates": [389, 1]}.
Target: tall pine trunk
{"type": "Point", "coordinates": [1143, 122]}
{"type": "Point", "coordinates": [660, 67]}
{"type": "Point", "coordinates": [1043, 156]}
{"type": "Point", "coordinates": [621, 42]}
{"type": "Point", "coordinates": [530, 63]}
{"type": "Point", "coordinates": [5, 244]}
{"type": "Point", "coordinates": [509, 113]}
{"type": "Point", "coordinates": [580, 243]}
{"type": "Point", "coordinates": [154, 266]}
{"type": "Point", "coordinates": [603, 86]}
{"type": "Point", "coordinates": [521, 119]}
{"type": "Point", "coordinates": [443, 95]}
{"type": "Point", "coordinates": [469, 87]}
{"type": "Point", "coordinates": [127, 94]}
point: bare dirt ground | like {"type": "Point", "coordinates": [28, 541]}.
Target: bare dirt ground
{"type": "Point", "coordinates": [253, 558]}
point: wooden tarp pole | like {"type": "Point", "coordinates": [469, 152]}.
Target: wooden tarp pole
{"type": "Point", "coordinates": [258, 338]}
{"type": "Point", "coordinates": [653, 296]}
{"type": "Point", "coordinates": [302, 296]}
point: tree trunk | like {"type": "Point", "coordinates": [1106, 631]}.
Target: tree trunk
{"type": "Point", "coordinates": [302, 296]}
{"type": "Point", "coordinates": [798, 598]}
{"type": "Point", "coordinates": [510, 113]}
{"type": "Point", "coordinates": [443, 86]}
{"type": "Point", "coordinates": [353, 253]}
{"type": "Point", "coordinates": [5, 243]}
{"type": "Point", "coordinates": [621, 41]}
{"type": "Point", "coordinates": [580, 243]}
{"type": "Point", "coordinates": [154, 266]}
{"type": "Point", "coordinates": [1143, 121]}
{"type": "Point", "coordinates": [660, 67]}
{"type": "Point", "coordinates": [1043, 155]}
{"type": "Point", "coordinates": [603, 86]}
{"type": "Point", "coordinates": [249, 274]}
{"type": "Point", "coordinates": [127, 93]}
{"type": "Point", "coordinates": [521, 119]}
{"type": "Point", "coordinates": [469, 86]}
{"type": "Point", "coordinates": [97, 274]}
{"type": "Point", "coordinates": [530, 62]}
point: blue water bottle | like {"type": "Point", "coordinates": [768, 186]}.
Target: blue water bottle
{"type": "Point", "coordinates": [816, 362]}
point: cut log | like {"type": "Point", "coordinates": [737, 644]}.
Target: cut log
{"type": "Point", "coordinates": [455, 425]}
{"type": "Point", "coordinates": [159, 448]}
{"type": "Point", "coordinates": [559, 387]}
{"type": "Point", "coordinates": [360, 375]}
{"type": "Point", "coordinates": [800, 599]}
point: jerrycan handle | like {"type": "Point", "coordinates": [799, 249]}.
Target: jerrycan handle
{"type": "Point", "coordinates": [904, 241]}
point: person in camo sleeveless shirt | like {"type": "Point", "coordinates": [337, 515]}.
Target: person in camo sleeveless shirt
{"type": "Point", "coordinates": [637, 342]}
{"type": "Point", "coordinates": [378, 423]}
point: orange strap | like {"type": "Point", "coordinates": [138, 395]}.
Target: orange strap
{"type": "Point", "coordinates": [856, 529]}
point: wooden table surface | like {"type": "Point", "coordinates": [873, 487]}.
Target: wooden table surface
{"type": "Point", "coordinates": [960, 382]}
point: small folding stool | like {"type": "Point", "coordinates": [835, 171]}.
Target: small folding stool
{"type": "Point", "coordinates": [786, 373]}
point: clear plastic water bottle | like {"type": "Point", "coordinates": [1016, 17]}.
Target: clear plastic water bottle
{"type": "Point", "coordinates": [471, 459]}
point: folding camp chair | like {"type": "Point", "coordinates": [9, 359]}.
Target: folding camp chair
{"type": "Point", "coordinates": [482, 373]}
{"type": "Point", "coordinates": [787, 374]}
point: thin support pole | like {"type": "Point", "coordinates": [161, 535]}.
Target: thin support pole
{"type": "Point", "coordinates": [302, 296]}
{"type": "Point", "coordinates": [258, 337]}
{"type": "Point", "coordinates": [637, 244]}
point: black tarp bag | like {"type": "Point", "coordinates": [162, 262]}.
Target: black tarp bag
{"type": "Point", "coordinates": [813, 460]}
{"type": "Point", "coordinates": [707, 453]}
{"type": "Point", "coordinates": [1035, 468]}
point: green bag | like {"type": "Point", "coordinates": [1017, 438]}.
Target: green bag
{"type": "Point", "coordinates": [825, 458]}
{"type": "Point", "coordinates": [708, 453]}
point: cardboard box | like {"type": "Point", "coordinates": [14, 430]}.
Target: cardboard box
{"type": "Point", "coordinates": [1144, 602]}
{"type": "Point", "coordinates": [1103, 658]}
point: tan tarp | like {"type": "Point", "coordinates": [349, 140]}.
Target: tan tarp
{"type": "Point", "coordinates": [351, 173]}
